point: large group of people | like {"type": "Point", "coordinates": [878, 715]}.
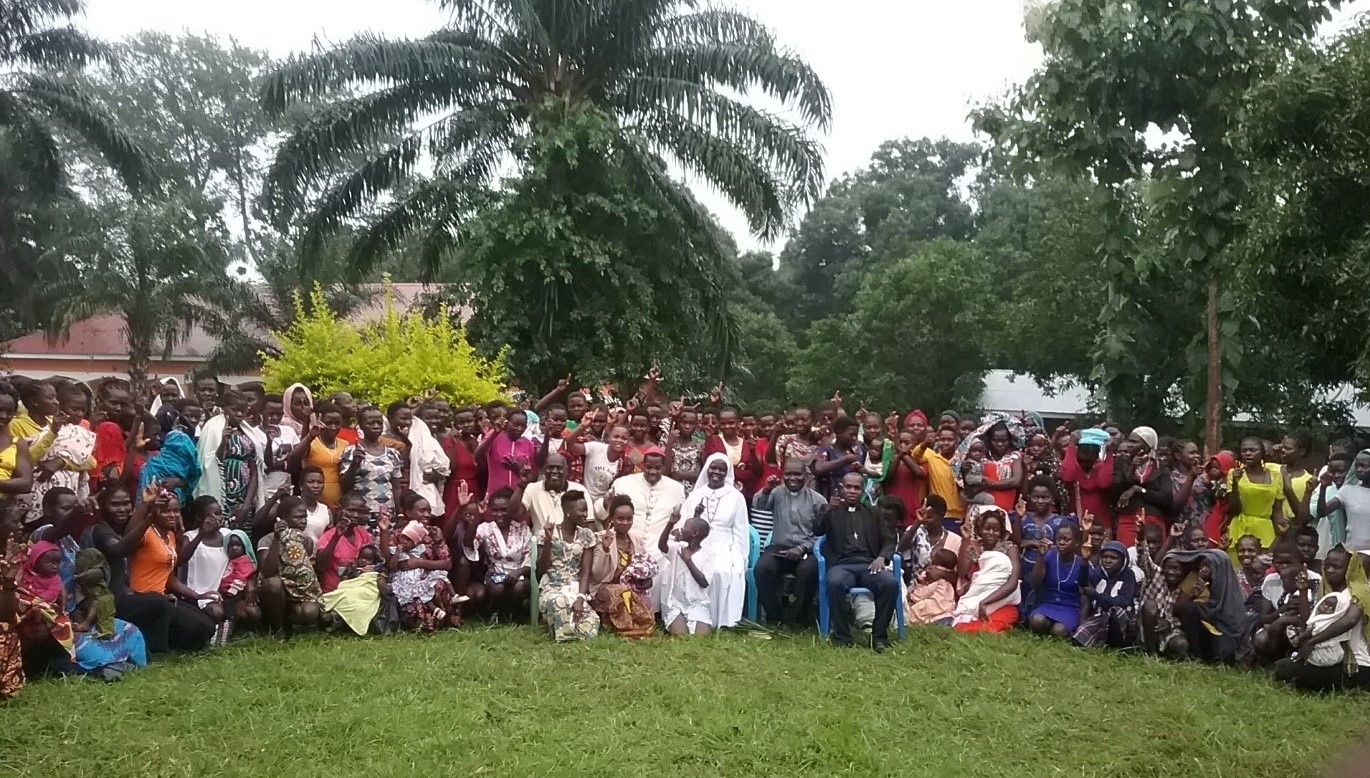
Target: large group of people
{"type": "Point", "coordinates": [131, 526]}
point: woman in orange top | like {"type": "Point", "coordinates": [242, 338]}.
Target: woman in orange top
{"type": "Point", "coordinates": [150, 567]}
{"type": "Point", "coordinates": [323, 449]}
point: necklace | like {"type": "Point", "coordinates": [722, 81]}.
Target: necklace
{"type": "Point", "coordinates": [1074, 562]}
{"type": "Point", "coordinates": [711, 502]}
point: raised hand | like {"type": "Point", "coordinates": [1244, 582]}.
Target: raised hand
{"type": "Point", "coordinates": [564, 383]}
{"type": "Point", "coordinates": [463, 494]}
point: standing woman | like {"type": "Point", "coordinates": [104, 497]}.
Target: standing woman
{"type": "Point", "coordinates": [299, 408]}
{"type": "Point", "coordinates": [429, 466]}
{"type": "Point", "coordinates": [16, 471]}
{"type": "Point", "coordinates": [372, 468]}
{"type": "Point", "coordinates": [1193, 495]}
{"type": "Point", "coordinates": [1003, 438]}
{"type": "Point", "coordinates": [906, 477]}
{"type": "Point", "coordinates": [717, 501]}
{"type": "Point", "coordinates": [1253, 498]}
{"type": "Point", "coordinates": [176, 466]}
{"type": "Point", "coordinates": [322, 448]}
{"type": "Point", "coordinates": [459, 444]}
{"type": "Point", "coordinates": [1352, 499]}
{"type": "Point", "coordinates": [230, 469]}
{"type": "Point", "coordinates": [1142, 488]}
{"type": "Point", "coordinates": [60, 449]}
{"type": "Point", "coordinates": [115, 437]}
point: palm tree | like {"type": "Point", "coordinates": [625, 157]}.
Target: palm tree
{"type": "Point", "coordinates": [469, 93]}
{"type": "Point", "coordinates": [38, 48]}
{"type": "Point", "coordinates": [154, 265]}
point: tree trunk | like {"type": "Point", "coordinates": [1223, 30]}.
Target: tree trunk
{"type": "Point", "coordinates": [139, 356]}
{"type": "Point", "coordinates": [1215, 377]}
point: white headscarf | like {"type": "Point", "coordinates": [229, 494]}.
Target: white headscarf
{"type": "Point", "coordinates": [211, 483]}
{"type": "Point", "coordinates": [157, 400]}
{"type": "Point", "coordinates": [301, 428]}
{"type": "Point", "coordinates": [728, 543]}
{"type": "Point", "coordinates": [426, 456]}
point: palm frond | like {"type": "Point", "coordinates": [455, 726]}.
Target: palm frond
{"type": "Point", "coordinates": [713, 25]}
{"type": "Point", "coordinates": [74, 108]}
{"type": "Point", "coordinates": [37, 155]}
{"type": "Point", "coordinates": [370, 59]}
{"type": "Point", "coordinates": [25, 17]}
{"type": "Point", "coordinates": [435, 204]}
{"type": "Point", "coordinates": [355, 192]}
{"type": "Point", "coordinates": [61, 47]}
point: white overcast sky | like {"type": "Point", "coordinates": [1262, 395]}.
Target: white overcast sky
{"type": "Point", "coordinates": [896, 68]}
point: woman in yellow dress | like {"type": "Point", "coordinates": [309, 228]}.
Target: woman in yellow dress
{"type": "Point", "coordinates": [1254, 505]}
{"type": "Point", "coordinates": [323, 449]}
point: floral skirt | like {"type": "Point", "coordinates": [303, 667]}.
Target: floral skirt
{"type": "Point", "coordinates": [436, 613]}
{"type": "Point", "coordinates": [11, 662]}
{"type": "Point", "coordinates": [558, 612]}
{"type": "Point", "coordinates": [625, 611]}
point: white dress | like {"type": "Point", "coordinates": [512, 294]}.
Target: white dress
{"type": "Point", "coordinates": [205, 568]}
{"type": "Point", "coordinates": [727, 544]}
{"type": "Point", "coordinates": [681, 594]}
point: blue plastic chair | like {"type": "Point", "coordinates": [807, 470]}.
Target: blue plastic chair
{"type": "Point", "coordinates": [753, 555]}
{"type": "Point", "coordinates": [824, 608]}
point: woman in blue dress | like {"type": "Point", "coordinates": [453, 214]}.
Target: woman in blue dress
{"type": "Point", "coordinates": [1055, 582]}
{"type": "Point", "coordinates": [1035, 524]}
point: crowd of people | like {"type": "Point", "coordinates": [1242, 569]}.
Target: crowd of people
{"type": "Point", "coordinates": [131, 528]}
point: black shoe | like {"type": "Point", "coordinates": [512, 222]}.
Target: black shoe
{"type": "Point", "coordinates": [879, 645]}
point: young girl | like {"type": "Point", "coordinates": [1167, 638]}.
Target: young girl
{"type": "Point", "coordinates": [683, 455]}
{"type": "Point", "coordinates": [1161, 632]}
{"type": "Point", "coordinates": [238, 586]}
{"type": "Point", "coordinates": [317, 516]}
{"type": "Point", "coordinates": [1112, 597]}
{"type": "Point", "coordinates": [202, 549]}
{"type": "Point", "coordinates": [1056, 577]}
{"type": "Point", "coordinates": [504, 549]}
{"type": "Point", "coordinates": [565, 561]}
{"type": "Point", "coordinates": [621, 576]}
{"type": "Point", "coordinates": [1036, 523]}
{"type": "Point", "coordinates": [932, 598]}
{"type": "Point", "coordinates": [685, 604]}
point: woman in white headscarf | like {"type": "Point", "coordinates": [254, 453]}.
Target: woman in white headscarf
{"type": "Point", "coordinates": [298, 405]}
{"type": "Point", "coordinates": [716, 499]}
{"type": "Point", "coordinates": [1143, 490]}
{"type": "Point", "coordinates": [429, 466]}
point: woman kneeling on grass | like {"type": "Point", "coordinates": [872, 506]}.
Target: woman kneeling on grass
{"type": "Point", "coordinates": [1056, 577]}
{"type": "Point", "coordinates": [504, 543]}
{"type": "Point", "coordinates": [1331, 653]}
{"type": "Point", "coordinates": [990, 601]}
{"type": "Point", "coordinates": [621, 577]}
{"type": "Point", "coordinates": [565, 560]}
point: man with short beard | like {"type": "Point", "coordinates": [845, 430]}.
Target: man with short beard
{"type": "Point", "coordinates": [541, 500]}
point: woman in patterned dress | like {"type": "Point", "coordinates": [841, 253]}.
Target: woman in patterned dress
{"type": "Point", "coordinates": [237, 464]}
{"type": "Point", "coordinates": [565, 560]}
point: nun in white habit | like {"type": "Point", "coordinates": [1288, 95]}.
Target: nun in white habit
{"type": "Point", "coordinates": [717, 500]}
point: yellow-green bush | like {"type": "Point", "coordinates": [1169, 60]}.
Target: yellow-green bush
{"type": "Point", "coordinates": [400, 356]}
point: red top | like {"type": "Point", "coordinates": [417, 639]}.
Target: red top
{"type": "Point", "coordinates": [1088, 491]}
{"type": "Point", "coordinates": [748, 467]}
{"type": "Point", "coordinates": [910, 489]}
{"type": "Point", "coordinates": [110, 449]}
{"type": "Point", "coordinates": [463, 471]}
{"type": "Point", "coordinates": [767, 469]}
{"type": "Point", "coordinates": [348, 434]}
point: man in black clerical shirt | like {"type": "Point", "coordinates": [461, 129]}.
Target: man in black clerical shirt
{"type": "Point", "coordinates": [858, 547]}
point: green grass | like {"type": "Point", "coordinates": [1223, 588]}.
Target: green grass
{"type": "Point", "coordinates": [507, 702]}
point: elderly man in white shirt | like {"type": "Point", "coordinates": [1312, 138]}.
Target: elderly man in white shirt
{"type": "Point", "coordinates": [542, 499]}
{"type": "Point", "coordinates": [654, 498]}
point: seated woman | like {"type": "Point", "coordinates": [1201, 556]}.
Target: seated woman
{"type": "Point", "coordinates": [238, 586]}
{"type": "Point", "coordinates": [932, 598]}
{"type": "Point", "coordinates": [1111, 593]}
{"type": "Point", "coordinates": [288, 587]}
{"type": "Point", "coordinates": [1331, 652]}
{"type": "Point", "coordinates": [621, 576]}
{"type": "Point", "coordinates": [1209, 606]}
{"type": "Point", "coordinates": [504, 545]}
{"type": "Point", "coordinates": [151, 562]}
{"type": "Point", "coordinates": [1056, 577]}
{"type": "Point", "coordinates": [990, 600]}
{"type": "Point", "coordinates": [115, 536]}
{"type": "Point", "coordinates": [363, 600]}
{"type": "Point", "coordinates": [419, 569]}
{"type": "Point", "coordinates": [565, 559]}
{"type": "Point", "coordinates": [1161, 587]}
{"type": "Point", "coordinates": [105, 645]}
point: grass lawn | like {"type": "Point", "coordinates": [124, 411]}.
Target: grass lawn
{"type": "Point", "coordinates": [505, 701]}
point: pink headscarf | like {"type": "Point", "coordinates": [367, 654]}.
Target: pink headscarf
{"type": "Point", "coordinates": [916, 413]}
{"type": "Point", "coordinates": [416, 532]}
{"type": "Point", "coordinates": [44, 587]}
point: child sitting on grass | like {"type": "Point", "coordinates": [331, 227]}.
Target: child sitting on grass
{"type": "Point", "coordinates": [932, 599]}
{"type": "Point", "coordinates": [685, 585]}
{"type": "Point", "coordinates": [238, 587]}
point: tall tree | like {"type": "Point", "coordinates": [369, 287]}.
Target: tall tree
{"type": "Point", "coordinates": [39, 48]}
{"type": "Point", "coordinates": [662, 69]}
{"type": "Point", "coordinates": [1115, 70]}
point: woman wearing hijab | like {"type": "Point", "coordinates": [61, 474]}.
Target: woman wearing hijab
{"type": "Point", "coordinates": [176, 466]}
{"type": "Point", "coordinates": [717, 501]}
{"type": "Point", "coordinates": [1212, 611]}
{"type": "Point", "coordinates": [429, 466]}
{"type": "Point", "coordinates": [1142, 488]}
{"type": "Point", "coordinates": [299, 407]}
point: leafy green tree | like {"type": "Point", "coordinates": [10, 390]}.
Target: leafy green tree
{"type": "Point", "coordinates": [584, 267]}
{"type": "Point", "coordinates": [910, 192]}
{"type": "Point", "coordinates": [915, 336]}
{"type": "Point", "coordinates": [1112, 72]}
{"type": "Point", "coordinates": [664, 71]}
